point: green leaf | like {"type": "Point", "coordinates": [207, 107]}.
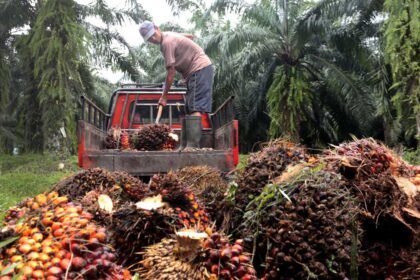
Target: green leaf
{"type": "Point", "coordinates": [8, 241]}
{"type": "Point", "coordinates": [9, 269]}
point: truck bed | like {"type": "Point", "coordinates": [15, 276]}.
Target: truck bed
{"type": "Point", "coordinates": [146, 163]}
{"type": "Point", "coordinates": [220, 143]}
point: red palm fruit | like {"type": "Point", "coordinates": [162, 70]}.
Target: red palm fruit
{"type": "Point", "coordinates": [38, 274]}
{"type": "Point", "coordinates": [55, 271]}
{"type": "Point", "coordinates": [61, 254]}
{"type": "Point", "coordinates": [78, 263]}
{"type": "Point", "coordinates": [101, 236]}
{"type": "Point", "coordinates": [209, 244]}
{"type": "Point", "coordinates": [241, 271]}
{"type": "Point", "coordinates": [230, 266]}
{"type": "Point", "coordinates": [111, 257]}
{"type": "Point", "coordinates": [214, 255]}
{"type": "Point", "coordinates": [240, 242]}
{"type": "Point", "coordinates": [99, 263]}
{"type": "Point", "coordinates": [107, 264]}
{"type": "Point", "coordinates": [244, 259]}
{"type": "Point", "coordinates": [75, 248]}
{"type": "Point", "coordinates": [27, 271]}
{"type": "Point", "coordinates": [225, 274]}
{"type": "Point", "coordinates": [226, 254]}
{"type": "Point", "coordinates": [25, 248]}
{"type": "Point", "coordinates": [64, 264]}
{"type": "Point", "coordinates": [235, 260]}
{"type": "Point", "coordinates": [238, 248]}
{"type": "Point", "coordinates": [214, 269]}
{"type": "Point", "coordinates": [93, 243]}
{"type": "Point", "coordinates": [90, 271]}
{"type": "Point", "coordinates": [235, 252]}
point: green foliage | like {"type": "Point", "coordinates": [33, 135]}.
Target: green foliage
{"type": "Point", "coordinates": [109, 49]}
{"type": "Point", "coordinates": [402, 34]}
{"type": "Point", "coordinates": [57, 48]}
{"type": "Point", "coordinates": [4, 81]}
{"type": "Point", "coordinates": [43, 71]}
{"type": "Point", "coordinates": [242, 161]}
{"type": "Point", "coordinates": [283, 60]}
{"type": "Point", "coordinates": [288, 95]}
{"type": "Point", "coordinates": [412, 156]}
{"type": "Point", "coordinates": [28, 175]}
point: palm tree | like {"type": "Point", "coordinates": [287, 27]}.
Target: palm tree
{"type": "Point", "coordinates": [402, 53]}
{"type": "Point", "coordinates": [300, 74]}
{"type": "Point", "coordinates": [59, 49]}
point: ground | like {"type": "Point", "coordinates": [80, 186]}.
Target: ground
{"type": "Point", "coordinates": [28, 175]}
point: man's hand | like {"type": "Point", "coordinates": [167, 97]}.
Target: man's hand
{"type": "Point", "coordinates": [163, 100]}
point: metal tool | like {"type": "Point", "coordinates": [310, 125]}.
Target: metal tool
{"type": "Point", "coordinates": [159, 114]}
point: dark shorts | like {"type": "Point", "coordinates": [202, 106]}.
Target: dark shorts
{"type": "Point", "coordinates": [199, 91]}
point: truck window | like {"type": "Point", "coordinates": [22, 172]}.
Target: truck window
{"type": "Point", "coordinates": [146, 112]}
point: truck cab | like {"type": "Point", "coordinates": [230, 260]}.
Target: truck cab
{"type": "Point", "coordinates": [133, 106]}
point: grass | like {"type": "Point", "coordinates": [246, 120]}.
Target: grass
{"type": "Point", "coordinates": [412, 156]}
{"type": "Point", "coordinates": [27, 175]}
{"type": "Point", "coordinates": [242, 161]}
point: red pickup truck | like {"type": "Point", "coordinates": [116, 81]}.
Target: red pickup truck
{"type": "Point", "coordinates": [135, 105]}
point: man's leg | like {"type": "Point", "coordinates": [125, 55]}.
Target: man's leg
{"type": "Point", "coordinates": [199, 100]}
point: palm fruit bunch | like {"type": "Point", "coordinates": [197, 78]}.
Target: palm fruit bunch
{"type": "Point", "coordinates": [261, 168]}
{"type": "Point", "coordinates": [384, 187]}
{"type": "Point", "coordinates": [135, 226]}
{"type": "Point", "coordinates": [180, 197]}
{"type": "Point", "coordinates": [151, 137]}
{"type": "Point", "coordinates": [112, 138]}
{"type": "Point", "coordinates": [363, 158]}
{"type": "Point", "coordinates": [58, 240]}
{"type": "Point", "coordinates": [117, 138]}
{"type": "Point", "coordinates": [209, 188]}
{"type": "Point", "coordinates": [119, 186]}
{"type": "Point", "coordinates": [226, 261]}
{"type": "Point", "coordinates": [303, 228]}
{"type": "Point", "coordinates": [195, 255]}
{"type": "Point", "coordinates": [171, 142]}
{"type": "Point", "coordinates": [182, 258]}
{"type": "Point", "coordinates": [125, 140]}
{"type": "Point", "coordinates": [383, 206]}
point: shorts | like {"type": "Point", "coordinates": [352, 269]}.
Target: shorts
{"type": "Point", "coordinates": [200, 91]}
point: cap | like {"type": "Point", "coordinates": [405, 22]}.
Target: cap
{"type": "Point", "coordinates": [147, 29]}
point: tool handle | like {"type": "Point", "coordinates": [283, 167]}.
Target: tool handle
{"type": "Point", "coordinates": [159, 114]}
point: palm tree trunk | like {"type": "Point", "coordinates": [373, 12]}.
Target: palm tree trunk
{"type": "Point", "coordinates": [418, 129]}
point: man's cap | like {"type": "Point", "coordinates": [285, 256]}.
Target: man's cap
{"type": "Point", "coordinates": [147, 29]}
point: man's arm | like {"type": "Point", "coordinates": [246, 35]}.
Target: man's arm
{"type": "Point", "coordinates": [170, 75]}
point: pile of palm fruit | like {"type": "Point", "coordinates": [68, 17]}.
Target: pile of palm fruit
{"type": "Point", "coordinates": [57, 239]}
{"type": "Point", "coordinates": [308, 231]}
{"type": "Point", "coordinates": [210, 188]}
{"type": "Point", "coordinates": [154, 137]}
{"type": "Point", "coordinates": [351, 212]}
{"type": "Point", "coordinates": [131, 225]}
{"type": "Point", "coordinates": [197, 256]}
{"type": "Point", "coordinates": [389, 207]}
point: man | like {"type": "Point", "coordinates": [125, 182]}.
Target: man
{"type": "Point", "coordinates": [182, 54]}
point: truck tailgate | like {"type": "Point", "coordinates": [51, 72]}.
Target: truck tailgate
{"type": "Point", "coordinates": [143, 163]}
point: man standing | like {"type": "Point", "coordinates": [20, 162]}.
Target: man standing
{"type": "Point", "coordinates": [182, 54]}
